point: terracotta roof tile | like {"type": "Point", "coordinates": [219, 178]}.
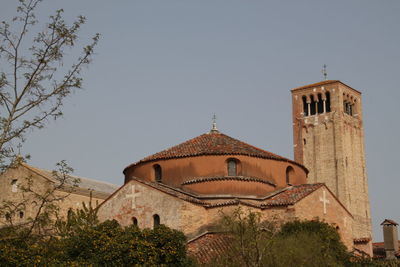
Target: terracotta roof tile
{"type": "Point", "coordinates": [282, 197]}
{"type": "Point", "coordinates": [214, 143]}
{"type": "Point", "coordinates": [208, 246]}
{"type": "Point", "coordinates": [291, 195]}
{"type": "Point", "coordinates": [379, 250]}
{"type": "Point", "coordinates": [361, 240]}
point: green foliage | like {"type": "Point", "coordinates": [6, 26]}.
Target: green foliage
{"type": "Point", "coordinates": [83, 241]}
{"type": "Point", "coordinates": [254, 242]}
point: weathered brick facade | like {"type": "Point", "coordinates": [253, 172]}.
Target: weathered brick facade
{"type": "Point", "coordinates": [329, 141]}
{"type": "Point", "coordinates": [42, 180]}
{"type": "Point", "coordinates": [195, 216]}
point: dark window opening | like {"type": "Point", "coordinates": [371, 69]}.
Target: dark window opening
{"type": "Point", "coordinates": [313, 107]}
{"type": "Point", "coordinates": [232, 167]}
{"type": "Point", "coordinates": [305, 106]}
{"type": "Point", "coordinates": [328, 102]}
{"type": "Point", "coordinates": [134, 221]}
{"type": "Point", "coordinates": [320, 104]}
{"type": "Point", "coordinates": [156, 220]}
{"type": "Point", "coordinates": [157, 173]}
{"type": "Point", "coordinates": [21, 214]}
{"type": "Point", "coordinates": [289, 175]}
{"type": "Point", "coordinates": [348, 108]}
{"type": "Point", "coordinates": [304, 141]}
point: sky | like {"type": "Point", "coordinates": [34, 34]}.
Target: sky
{"type": "Point", "coordinates": [164, 67]}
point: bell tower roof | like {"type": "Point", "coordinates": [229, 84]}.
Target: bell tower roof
{"type": "Point", "coordinates": [327, 82]}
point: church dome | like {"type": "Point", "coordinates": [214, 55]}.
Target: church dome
{"type": "Point", "coordinates": [215, 163]}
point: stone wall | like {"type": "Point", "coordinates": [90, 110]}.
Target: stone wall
{"type": "Point", "coordinates": [19, 175]}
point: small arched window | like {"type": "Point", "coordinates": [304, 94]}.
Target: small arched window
{"type": "Point", "coordinates": [305, 106]}
{"type": "Point", "coordinates": [313, 107]}
{"type": "Point", "coordinates": [232, 167]}
{"type": "Point", "coordinates": [156, 220]}
{"type": "Point", "coordinates": [320, 104]}
{"type": "Point", "coordinates": [328, 102]}
{"type": "Point", "coordinates": [157, 173]}
{"type": "Point", "coordinates": [21, 214]}
{"type": "Point", "coordinates": [134, 221]}
{"type": "Point", "coordinates": [289, 175]}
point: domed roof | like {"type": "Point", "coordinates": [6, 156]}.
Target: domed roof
{"type": "Point", "coordinates": [213, 143]}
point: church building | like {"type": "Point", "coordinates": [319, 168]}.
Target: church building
{"type": "Point", "coordinates": [186, 186]}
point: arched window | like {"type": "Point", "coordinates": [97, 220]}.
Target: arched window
{"type": "Point", "coordinates": [313, 105]}
{"type": "Point", "coordinates": [320, 104]}
{"type": "Point", "coordinates": [21, 214]}
{"type": "Point", "coordinates": [289, 175]}
{"type": "Point", "coordinates": [157, 173]}
{"type": "Point", "coordinates": [232, 167]}
{"type": "Point", "coordinates": [156, 220]}
{"type": "Point", "coordinates": [328, 102]}
{"type": "Point", "coordinates": [305, 106]}
{"type": "Point", "coordinates": [134, 221]}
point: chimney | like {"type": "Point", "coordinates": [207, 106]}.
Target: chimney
{"type": "Point", "coordinates": [390, 238]}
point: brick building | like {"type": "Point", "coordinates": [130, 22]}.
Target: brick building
{"type": "Point", "coordinates": [42, 180]}
{"type": "Point", "coordinates": [186, 186]}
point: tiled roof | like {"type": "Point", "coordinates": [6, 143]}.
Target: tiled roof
{"type": "Point", "coordinates": [197, 180]}
{"type": "Point", "coordinates": [208, 247]}
{"type": "Point", "coordinates": [379, 250]}
{"type": "Point", "coordinates": [322, 83]}
{"type": "Point", "coordinates": [291, 195]}
{"type": "Point", "coordinates": [361, 240]}
{"type": "Point", "coordinates": [282, 197]}
{"type": "Point", "coordinates": [84, 183]}
{"type": "Point", "coordinates": [214, 143]}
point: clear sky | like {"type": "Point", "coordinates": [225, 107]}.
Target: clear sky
{"type": "Point", "coordinates": [162, 68]}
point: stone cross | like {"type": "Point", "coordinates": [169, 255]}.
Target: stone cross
{"type": "Point", "coordinates": [133, 195]}
{"type": "Point", "coordinates": [324, 200]}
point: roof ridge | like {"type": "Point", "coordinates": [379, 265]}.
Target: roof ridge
{"type": "Point", "coordinates": [73, 176]}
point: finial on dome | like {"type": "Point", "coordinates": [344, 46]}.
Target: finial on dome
{"type": "Point", "coordinates": [214, 128]}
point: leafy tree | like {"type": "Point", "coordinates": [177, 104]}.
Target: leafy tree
{"type": "Point", "coordinates": [83, 241]}
{"type": "Point", "coordinates": [34, 79]}
{"type": "Point", "coordinates": [254, 242]}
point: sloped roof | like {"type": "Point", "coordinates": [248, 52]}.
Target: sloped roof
{"type": "Point", "coordinates": [378, 249]}
{"type": "Point", "coordinates": [214, 143]}
{"type": "Point", "coordinates": [208, 246]}
{"type": "Point", "coordinates": [84, 183]}
{"type": "Point", "coordinates": [281, 197]}
{"type": "Point", "coordinates": [389, 222]}
{"type": "Point", "coordinates": [292, 195]}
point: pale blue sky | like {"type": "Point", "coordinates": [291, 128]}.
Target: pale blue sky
{"type": "Point", "coordinates": [162, 68]}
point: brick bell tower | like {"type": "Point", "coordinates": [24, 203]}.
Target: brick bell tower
{"type": "Point", "coordinates": [328, 139]}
